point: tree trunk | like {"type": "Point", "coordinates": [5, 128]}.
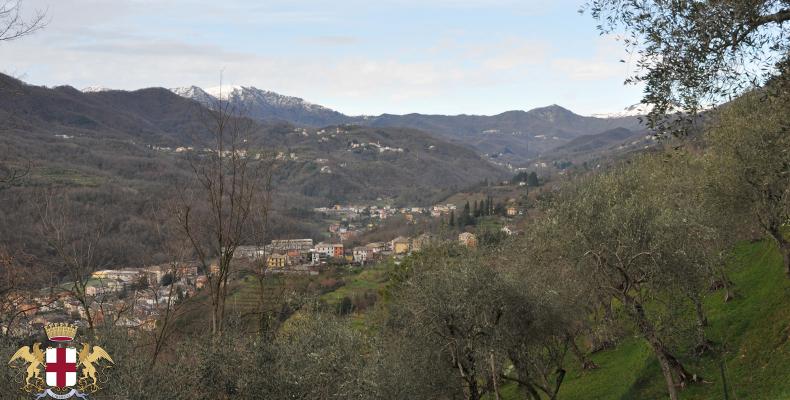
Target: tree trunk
{"type": "Point", "coordinates": [585, 361]}
{"type": "Point", "coordinates": [674, 372]}
{"type": "Point", "coordinates": [215, 310]}
{"type": "Point", "coordinates": [666, 369]}
{"type": "Point", "coordinates": [474, 392]}
{"type": "Point", "coordinates": [784, 248]}
{"type": "Point", "coordinates": [703, 344]}
{"type": "Point", "coordinates": [729, 294]}
{"type": "Point", "coordinates": [493, 377]}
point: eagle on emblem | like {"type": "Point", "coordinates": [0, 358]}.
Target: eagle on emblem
{"type": "Point", "coordinates": [34, 357]}
{"type": "Point", "coordinates": [87, 358]}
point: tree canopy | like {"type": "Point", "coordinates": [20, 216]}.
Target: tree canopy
{"type": "Point", "coordinates": [692, 54]}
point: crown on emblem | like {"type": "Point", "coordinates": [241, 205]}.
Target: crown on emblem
{"type": "Point", "coordinates": [61, 332]}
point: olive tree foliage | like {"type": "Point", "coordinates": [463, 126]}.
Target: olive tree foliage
{"type": "Point", "coordinates": [690, 54]}
{"type": "Point", "coordinates": [748, 164]}
{"type": "Point", "coordinates": [408, 367]}
{"type": "Point", "coordinates": [629, 244]}
{"type": "Point", "coordinates": [458, 309]}
{"type": "Point", "coordinates": [480, 324]}
{"type": "Point", "coordinates": [545, 314]}
{"type": "Point", "coordinates": [692, 239]}
{"type": "Point", "coordinates": [313, 356]}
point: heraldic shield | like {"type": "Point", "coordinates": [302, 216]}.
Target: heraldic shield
{"type": "Point", "coordinates": [67, 372]}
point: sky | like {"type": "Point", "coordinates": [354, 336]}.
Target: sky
{"type": "Point", "coordinates": [355, 56]}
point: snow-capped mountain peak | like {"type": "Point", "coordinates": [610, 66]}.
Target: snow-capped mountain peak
{"type": "Point", "coordinates": [194, 93]}
{"type": "Point", "coordinates": [264, 104]}
{"type": "Point", "coordinates": [224, 91]}
{"type": "Point", "coordinates": [634, 110]}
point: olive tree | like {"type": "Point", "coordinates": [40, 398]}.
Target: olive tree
{"type": "Point", "coordinates": [689, 53]}
{"type": "Point", "coordinates": [748, 165]}
{"type": "Point", "coordinates": [313, 356]}
{"type": "Point", "coordinates": [484, 317]}
{"type": "Point", "coordinates": [456, 308]}
{"type": "Point", "coordinates": [608, 223]}
{"type": "Point", "coordinates": [690, 237]}
{"type": "Point", "coordinates": [558, 305]}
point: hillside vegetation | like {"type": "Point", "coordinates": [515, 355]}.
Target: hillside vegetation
{"type": "Point", "coordinates": [751, 331]}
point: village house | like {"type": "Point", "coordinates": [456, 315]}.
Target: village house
{"type": "Point", "coordinates": [213, 269]}
{"type": "Point", "coordinates": [249, 252]}
{"type": "Point", "coordinates": [337, 250]}
{"type": "Point", "coordinates": [400, 245]}
{"type": "Point", "coordinates": [361, 254]}
{"type": "Point", "coordinates": [124, 275]}
{"type": "Point", "coordinates": [105, 287]}
{"type": "Point", "coordinates": [155, 273]}
{"type": "Point", "coordinates": [376, 248]}
{"type": "Point", "coordinates": [301, 245]}
{"type": "Point", "coordinates": [324, 248]}
{"type": "Point", "coordinates": [316, 257]}
{"type": "Point", "coordinates": [295, 256]}
{"type": "Point", "coordinates": [347, 235]}
{"type": "Point", "coordinates": [468, 239]}
{"type": "Point", "coordinates": [277, 261]}
{"type": "Point", "coordinates": [201, 282]}
{"type": "Point", "coordinates": [511, 211]}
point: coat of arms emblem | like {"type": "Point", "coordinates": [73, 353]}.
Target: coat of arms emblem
{"type": "Point", "coordinates": [67, 372]}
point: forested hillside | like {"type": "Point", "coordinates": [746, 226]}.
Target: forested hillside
{"type": "Point", "coordinates": [126, 152]}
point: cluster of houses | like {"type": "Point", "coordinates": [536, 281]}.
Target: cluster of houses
{"type": "Point", "coordinates": [130, 297]}
{"type": "Point", "coordinates": [301, 255]}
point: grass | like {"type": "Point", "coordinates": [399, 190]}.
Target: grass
{"type": "Point", "coordinates": [370, 280]}
{"type": "Point", "coordinates": [753, 332]}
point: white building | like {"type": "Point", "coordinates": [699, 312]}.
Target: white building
{"type": "Point", "coordinates": [361, 254]}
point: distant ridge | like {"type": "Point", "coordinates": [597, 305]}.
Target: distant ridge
{"type": "Point", "coordinates": [266, 105]}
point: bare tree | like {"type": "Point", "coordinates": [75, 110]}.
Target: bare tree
{"type": "Point", "coordinates": [74, 238]}
{"type": "Point", "coordinates": [12, 175]}
{"type": "Point", "coordinates": [216, 212]}
{"type": "Point", "coordinates": [18, 280]}
{"type": "Point", "coordinates": [14, 24]}
{"type": "Point", "coordinates": [168, 307]}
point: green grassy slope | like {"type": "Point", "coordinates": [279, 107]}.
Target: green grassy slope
{"type": "Point", "coordinates": [753, 329]}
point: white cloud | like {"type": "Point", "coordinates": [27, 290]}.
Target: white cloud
{"type": "Point", "coordinates": [579, 69]}
{"type": "Point", "coordinates": [113, 44]}
{"type": "Point", "coordinates": [604, 64]}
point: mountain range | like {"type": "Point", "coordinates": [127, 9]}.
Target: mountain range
{"type": "Point", "coordinates": [129, 136]}
{"type": "Point", "coordinates": [509, 138]}
{"type": "Point", "coordinates": [330, 157]}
